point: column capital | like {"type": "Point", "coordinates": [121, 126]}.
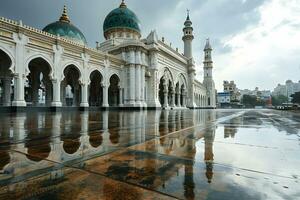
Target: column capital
{"type": "Point", "coordinates": [20, 38]}
{"type": "Point", "coordinates": [58, 49]}
{"type": "Point", "coordinates": [85, 57]}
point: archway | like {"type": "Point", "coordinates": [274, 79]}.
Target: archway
{"type": "Point", "coordinates": [96, 90]}
{"type": "Point", "coordinates": [161, 91]}
{"type": "Point", "coordinates": [70, 87]}
{"type": "Point", "coordinates": [181, 91]}
{"type": "Point", "coordinates": [114, 91]}
{"type": "Point", "coordinates": [177, 95]}
{"type": "Point", "coordinates": [38, 88]}
{"type": "Point", "coordinates": [6, 92]}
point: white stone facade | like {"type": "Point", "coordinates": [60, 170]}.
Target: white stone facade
{"type": "Point", "coordinates": [126, 72]}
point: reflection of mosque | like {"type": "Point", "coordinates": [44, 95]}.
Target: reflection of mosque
{"type": "Point", "coordinates": [72, 137]}
{"type": "Point", "coordinates": [66, 137]}
{"type": "Point", "coordinates": [184, 145]}
{"type": "Point", "coordinates": [231, 128]}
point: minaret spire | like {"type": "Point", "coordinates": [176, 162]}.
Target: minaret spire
{"type": "Point", "coordinates": [207, 45]}
{"type": "Point", "coordinates": [188, 15]}
{"type": "Point", "coordinates": [64, 17]}
{"type": "Point", "coordinates": [123, 5]}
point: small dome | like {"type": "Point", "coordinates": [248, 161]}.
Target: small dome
{"type": "Point", "coordinates": [121, 18]}
{"type": "Point", "coordinates": [65, 29]}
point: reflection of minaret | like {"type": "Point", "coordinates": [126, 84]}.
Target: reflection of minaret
{"type": "Point", "coordinates": [189, 183]}
{"type": "Point", "coordinates": [208, 153]}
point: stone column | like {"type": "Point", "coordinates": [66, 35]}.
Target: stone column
{"type": "Point", "coordinates": [75, 95]}
{"type": "Point", "coordinates": [143, 86]}
{"type": "Point", "coordinates": [35, 89]}
{"type": "Point", "coordinates": [183, 94]}
{"type": "Point", "coordinates": [132, 84]}
{"type": "Point", "coordinates": [7, 89]}
{"type": "Point", "coordinates": [56, 93]}
{"type": "Point", "coordinates": [48, 92]}
{"type": "Point", "coordinates": [166, 103]}
{"type": "Point", "coordinates": [19, 100]}
{"type": "Point", "coordinates": [120, 97]}
{"type": "Point", "coordinates": [84, 95]}
{"type": "Point", "coordinates": [178, 100]}
{"type": "Point", "coordinates": [173, 99]}
{"type": "Point", "coordinates": [138, 85]}
{"type": "Point", "coordinates": [105, 96]}
{"type": "Point", "coordinates": [21, 40]}
{"type": "Point", "coordinates": [63, 94]}
{"type": "Point", "coordinates": [184, 99]}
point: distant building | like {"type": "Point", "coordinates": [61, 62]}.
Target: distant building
{"type": "Point", "coordinates": [287, 90]}
{"type": "Point", "coordinates": [260, 94]}
{"type": "Point", "coordinates": [231, 88]}
{"type": "Point", "coordinates": [223, 99]}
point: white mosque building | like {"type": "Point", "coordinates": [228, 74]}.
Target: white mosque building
{"type": "Point", "coordinates": [127, 71]}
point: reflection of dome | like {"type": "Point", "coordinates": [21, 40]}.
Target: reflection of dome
{"type": "Point", "coordinates": [65, 29]}
{"type": "Point", "coordinates": [121, 19]}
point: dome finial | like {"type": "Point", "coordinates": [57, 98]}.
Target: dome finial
{"type": "Point", "coordinates": [123, 5]}
{"type": "Point", "coordinates": [64, 17]}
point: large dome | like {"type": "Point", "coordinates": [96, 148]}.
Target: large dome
{"type": "Point", "coordinates": [65, 29]}
{"type": "Point", "coordinates": [121, 18]}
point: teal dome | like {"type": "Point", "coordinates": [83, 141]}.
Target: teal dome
{"type": "Point", "coordinates": [121, 18]}
{"type": "Point", "coordinates": [65, 29]}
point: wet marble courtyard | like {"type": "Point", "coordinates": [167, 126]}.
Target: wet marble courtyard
{"type": "Point", "coordinates": [180, 154]}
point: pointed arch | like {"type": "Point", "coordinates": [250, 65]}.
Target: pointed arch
{"type": "Point", "coordinates": [114, 90]}
{"type": "Point", "coordinates": [71, 63]}
{"type": "Point", "coordinates": [11, 57]}
{"type": "Point", "coordinates": [46, 58]}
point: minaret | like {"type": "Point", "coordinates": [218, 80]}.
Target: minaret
{"type": "Point", "coordinates": [188, 37]}
{"type": "Point", "coordinates": [208, 78]}
{"type": "Point", "coordinates": [188, 53]}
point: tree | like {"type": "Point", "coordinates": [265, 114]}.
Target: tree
{"type": "Point", "coordinates": [296, 97]}
{"type": "Point", "coordinates": [249, 100]}
{"type": "Point", "coordinates": [279, 100]}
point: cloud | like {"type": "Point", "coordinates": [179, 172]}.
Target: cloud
{"type": "Point", "coordinates": [265, 53]}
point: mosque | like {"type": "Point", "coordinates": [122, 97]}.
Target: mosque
{"type": "Point", "coordinates": [54, 68]}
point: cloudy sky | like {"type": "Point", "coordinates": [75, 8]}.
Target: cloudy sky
{"type": "Point", "coordinates": [256, 42]}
